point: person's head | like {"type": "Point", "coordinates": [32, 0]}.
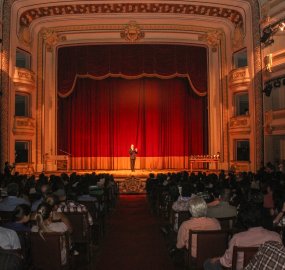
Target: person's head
{"type": "Point", "coordinates": [60, 193]}
{"type": "Point", "coordinates": [132, 146]}
{"type": "Point", "coordinates": [198, 207]}
{"type": "Point", "coordinates": [13, 189]}
{"type": "Point", "coordinates": [44, 211]}
{"type": "Point", "coordinates": [21, 214]}
{"type": "Point", "coordinates": [52, 200]}
{"type": "Point", "coordinates": [250, 216]}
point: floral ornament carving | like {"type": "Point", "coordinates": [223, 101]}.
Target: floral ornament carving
{"type": "Point", "coordinates": [132, 32]}
{"type": "Point", "coordinates": [212, 39]}
{"type": "Point", "coordinates": [51, 38]}
{"type": "Point", "coordinates": [24, 36]}
{"type": "Point", "coordinates": [238, 39]}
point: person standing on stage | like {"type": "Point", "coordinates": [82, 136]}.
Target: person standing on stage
{"type": "Point", "coordinates": [133, 154]}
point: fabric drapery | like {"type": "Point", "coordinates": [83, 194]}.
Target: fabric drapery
{"type": "Point", "coordinates": [132, 62]}
{"type": "Point", "coordinates": [99, 121]}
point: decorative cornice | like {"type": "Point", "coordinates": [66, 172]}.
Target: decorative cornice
{"type": "Point", "coordinates": [30, 15]}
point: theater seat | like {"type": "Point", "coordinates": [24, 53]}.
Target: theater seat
{"type": "Point", "coordinates": [248, 253]}
{"type": "Point", "coordinates": [209, 244]}
{"type": "Point", "coordinates": [50, 251]}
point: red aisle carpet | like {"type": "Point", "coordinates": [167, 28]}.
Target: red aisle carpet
{"type": "Point", "coordinates": [133, 240]}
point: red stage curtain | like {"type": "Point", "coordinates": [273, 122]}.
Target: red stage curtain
{"type": "Point", "coordinates": [101, 118]}
{"type": "Point", "coordinates": [132, 62]}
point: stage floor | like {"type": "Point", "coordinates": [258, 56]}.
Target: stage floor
{"type": "Point", "coordinates": [121, 175]}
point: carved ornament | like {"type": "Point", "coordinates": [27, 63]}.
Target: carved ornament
{"type": "Point", "coordinates": [24, 76]}
{"type": "Point", "coordinates": [30, 15]}
{"type": "Point", "coordinates": [239, 76]}
{"type": "Point", "coordinates": [240, 122]}
{"type": "Point", "coordinates": [24, 125]}
{"type": "Point", "coordinates": [274, 122]}
{"type": "Point", "coordinates": [212, 38]}
{"type": "Point", "coordinates": [132, 32]}
{"type": "Point", "coordinates": [238, 39]}
{"type": "Point", "coordinates": [51, 38]}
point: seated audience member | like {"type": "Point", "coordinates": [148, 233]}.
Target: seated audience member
{"type": "Point", "coordinates": [12, 200]}
{"type": "Point", "coordinates": [46, 224]}
{"type": "Point", "coordinates": [255, 235]}
{"type": "Point", "coordinates": [41, 189]}
{"type": "Point", "coordinates": [221, 208]}
{"type": "Point", "coordinates": [9, 239]}
{"type": "Point", "coordinates": [198, 221]}
{"type": "Point", "coordinates": [270, 255]}
{"type": "Point", "coordinates": [66, 206]}
{"type": "Point", "coordinates": [182, 203]}
{"type": "Point", "coordinates": [53, 201]}
{"type": "Point", "coordinates": [20, 218]}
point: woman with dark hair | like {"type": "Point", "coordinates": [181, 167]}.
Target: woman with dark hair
{"type": "Point", "coordinates": [20, 219]}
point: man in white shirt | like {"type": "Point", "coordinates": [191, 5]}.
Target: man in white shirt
{"type": "Point", "coordinates": [9, 239]}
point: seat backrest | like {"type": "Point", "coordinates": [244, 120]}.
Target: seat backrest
{"type": "Point", "coordinates": [50, 251]}
{"type": "Point", "coordinates": [5, 216]}
{"type": "Point", "coordinates": [227, 223]}
{"type": "Point", "coordinates": [209, 244]}
{"type": "Point", "coordinates": [80, 226]}
{"type": "Point", "coordinates": [247, 252]}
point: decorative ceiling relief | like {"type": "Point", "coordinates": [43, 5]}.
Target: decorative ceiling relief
{"type": "Point", "coordinates": [212, 38]}
{"type": "Point", "coordinates": [33, 14]}
{"type": "Point", "coordinates": [132, 32]}
{"type": "Point", "coordinates": [51, 38]}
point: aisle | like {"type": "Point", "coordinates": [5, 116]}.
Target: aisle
{"type": "Point", "coordinates": [133, 239]}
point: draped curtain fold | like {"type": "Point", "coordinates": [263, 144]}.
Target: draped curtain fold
{"type": "Point", "coordinates": [100, 118]}
{"type": "Point", "coordinates": [132, 62]}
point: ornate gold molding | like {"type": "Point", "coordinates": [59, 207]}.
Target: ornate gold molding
{"type": "Point", "coordinates": [51, 38]}
{"type": "Point", "coordinates": [24, 126]}
{"type": "Point", "coordinates": [30, 15]}
{"type": "Point", "coordinates": [23, 76]}
{"type": "Point", "coordinates": [239, 76]}
{"type": "Point", "coordinates": [132, 32]}
{"type": "Point", "coordinates": [240, 124]}
{"type": "Point", "coordinates": [212, 38]}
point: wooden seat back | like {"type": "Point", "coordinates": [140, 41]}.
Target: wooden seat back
{"type": "Point", "coordinates": [209, 244]}
{"type": "Point", "coordinates": [247, 252]}
{"type": "Point", "coordinates": [5, 216]}
{"type": "Point", "coordinates": [48, 251]}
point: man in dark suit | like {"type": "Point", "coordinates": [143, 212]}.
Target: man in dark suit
{"type": "Point", "coordinates": [133, 153]}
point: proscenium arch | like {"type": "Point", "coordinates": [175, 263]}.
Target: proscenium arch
{"type": "Point", "coordinates": [5, 80]}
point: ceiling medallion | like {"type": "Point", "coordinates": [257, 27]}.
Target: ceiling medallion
{"type": "Point", "coordinates": [132, 32]}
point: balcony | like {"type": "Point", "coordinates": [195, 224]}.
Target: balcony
{"type": "Point", "coordinates": [239, 77]}
{"type": "Point", "coordinates": [240, 124]}
{"type": "Point", "coordinates": [24, 77]}
{"type": "Point", "coordinates": [274, 122]}
{"type": "Point", "coordinates": [24, 126]}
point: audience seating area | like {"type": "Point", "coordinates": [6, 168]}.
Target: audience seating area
{"type": "Point", "coordinates": [70, 235]}
{"type": "Point", "coordinates": [44, 250]}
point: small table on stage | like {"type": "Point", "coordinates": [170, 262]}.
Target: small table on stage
{"type": "Point", "coordinates": [204, 159]}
